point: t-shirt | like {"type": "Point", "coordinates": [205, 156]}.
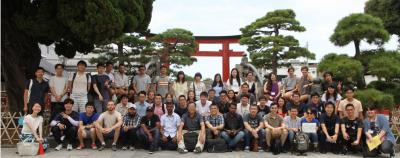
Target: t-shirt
{"type": "Point", "coordinates": [263, 111]}
{"type": "Point", "coordinates": [100, 81]}
{"type": "Point", "coordinates": [141, 108]}
{"type": "Point", "coordinates": [108, 119]}
{"type": "Point", "coordinates": [331, 98]}
{"type": "Point", "coordinates": [121, 80]}
{"type": "Point", "coordinates": [198, 88]}
{"type": "Point", "coordinates": [300, 107]}
{"type": "Point", "coordinates": [357, 106]}
{"type": "Point", "coordinates": [329, 122]}
{"type": "Point", "coordinates": [192, 124]}
{"type": "Point", "coordinates": [170, 124]}
{"type": "Point", "coordinates": [254, 122]}
{"type": "Point", "coordinates": [292, 123]}
{"type": "Point", "coordinates": [180, 111]}
{"type": "Point", "coordinates": [234, 86]}
{"type": "Point", "coordinates": [304, 80]}
{"type": "Point", "coordinates": [38, 91]}
{"type": "Point", "coordinates": [34, 121]}
{"type": "Point", "coordinates": [203, 110]}
{"type": "Point", "coordinates": [59, 84]}
{"type": "Point", "coordinates": [80, 83]}
{"type": "Point", "coordinates": [352, 125]}
{"type": "Point", "coordinates": [141, 82]}
{"type": "Point", "coordinates": [74, 115]}
{"type": "Point", "coordinates": [150, 122]}
{"type": "Point", "coordinates": [87, 120]}
{"type": "Point", "coordinates": [162, 85]}
{"type": "Point", "coordinates": [122, 109]}
{"type": "Point", "coordinates": [290, 82]}
{"type": "Point", "coordinates": [273, 121]}
{"type": "Point", "coordinates": [243, 110]}
{"type": "Point", "coordinates": [233, 121]}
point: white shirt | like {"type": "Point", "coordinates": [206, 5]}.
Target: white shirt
{"type": "Point", "coordinates": [243, 111]}
{"type": "Point", "coordinates": [170, 124]}
{"type": "Point", "coordinates": [34, 121]}
{"type": "Point", "coordinates": [59, 83]}
{"type": "Point", "coordinates": [80, 85]}
{"type": "Point", "coordinates": [235, 85]}
{"type": "Point", "coordinates": [121, 80]}
{"type": "Point", "coordinates": [203, 110]}
{"type": "Point", "coordinates": [111, 76]}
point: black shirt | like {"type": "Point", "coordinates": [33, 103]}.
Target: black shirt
{"type": "Point", "coordinates": [352, 125]}
{"type": "Point", "coordinates": [263, 111]}
{"type": "Point", "coordinates": [74, 115]}
{"type": "Point", "coordinates": [329, 122]}
{"type": "Point", "coordinates": [150, 122]}
{"type": "Point", "coordinates": [234, 121]}
{"type": "Point", "coordinates": [180, 111]}
{"type": "Point", "coordinates": [38, 91]}
{"type": "Point", "coordinates": [223, 107]}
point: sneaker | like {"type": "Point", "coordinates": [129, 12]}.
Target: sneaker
{"type": "Point", "coordinates": [180, 150]}
{"type": "Point", "coordinates": [151, 151]}
{"type": "Point", "coordinates": [62, 138]}
{"type": "Point", "coordinates": [247, 149]}
{"type": "Point", "coordinates": [124, 148]}
{"type": "Point", "coordinates": [58, 147]}
{"type": "Point", "coordinates": [197, 150]}
{"type": "Point", "coordinates": [131, 148]}
{"type": "Point", "coordinates": [69, 147]}
{"type": "Point", "coordinates": [114, 147]}
{"type": "Point", "coordinates": [102, 147]}
{"type": "Point", "coordinates": [80, 147]}
{"type": "Point", "coordinates": [94, 146]}
{"type": "Point", "coordinates": [392, 155]}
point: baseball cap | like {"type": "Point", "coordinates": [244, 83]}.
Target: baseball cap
{"type": "Point", "coordinates": [130, 105]}
{"type": "Point", "coordinates": [149, 108]}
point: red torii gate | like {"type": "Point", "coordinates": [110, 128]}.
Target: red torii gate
{"type": "Point", "coordinates": [225, 52]}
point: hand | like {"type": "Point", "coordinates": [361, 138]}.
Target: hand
{"type": "Point", "coordinates": [329, 139]}
{"type": "Point", "coordinates": [100, 98]}
{"type": "Point", "coordinates": [40, 140]}
{"type": "Point", "coordinates": [26, 108]}
{"type": "Point", "coordinates": [106, 83]}
{"type": "Point", "coordinates": [150, 137]}
{"type": "Point", "coordinates": [107, 130]}
{"type": "Point", "coordinates": [58, 98]}
{"type": "Point", "coordinates": [64, 115]}
{"type": "Point", "coordinates": [334, 137]}
{"type": "Point", "coordinates": [126, 128]}
{"type": "Point", "coordinates": [355, 142]}
{"type": "Point", "coordinates": [174, 139]}
{"type": "Point", "coordinates": [216, 132]}
{"type": "Point", "coordinates": [164, 138]}
{"type": "Point", "coordinates": [305, 86]}
{"type": "Point", "coordinates": [346, 136]}
{"type": "Point", "coordinates": [61, 126]}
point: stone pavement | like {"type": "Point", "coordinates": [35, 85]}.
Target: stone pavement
{"type": "Point", "coordinates": [108, 153]}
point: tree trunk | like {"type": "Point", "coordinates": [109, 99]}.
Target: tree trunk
{"type": "Point", "coordinates": [361, 81]}
{"type": "Point", "coordinates": [357, 47]}
{"type": "Point", "coordinates": [274, 63]}
{"type": "Point", "coordinates": [120, 52]}
{"type": "Point", "coordinates": [20, 57]}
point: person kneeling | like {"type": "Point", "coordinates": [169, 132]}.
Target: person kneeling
{"type": "Point", "coordinates": [233, 127]}
{"type": "Point", "coordinates": [275, 128]}
{"type": "Point", "coordinates": [86, 126]}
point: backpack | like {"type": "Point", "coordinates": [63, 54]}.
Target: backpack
{"type": "Point", "coordinates": [301, 142]}
{"type": "Point", "coordinates": [190, 140]}
{"type": "Point", "coordinates": [88, 75]}
{"type": "Point", "coordinates": [216, 145]}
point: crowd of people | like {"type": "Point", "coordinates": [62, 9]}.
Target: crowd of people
{"type": "Point", "coordinates": [178, 115]}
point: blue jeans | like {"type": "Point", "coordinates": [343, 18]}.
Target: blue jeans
{"type": "Point", "coordinates": [232, 141]}
{"type": "Point", "coordinates": [248, 136]}
{"type": "Point", "coordinates": [291, 135]}
{"type": "Point", "coordinates": [313, 137]}
{"type": "Point", "coordinates": [156, 137]}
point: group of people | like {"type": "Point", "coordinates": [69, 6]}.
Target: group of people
{"type": "Point", "coordinates": [165, 114]}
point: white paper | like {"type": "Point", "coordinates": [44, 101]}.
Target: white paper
{"type": "Point", "coordinates": [309, 127]}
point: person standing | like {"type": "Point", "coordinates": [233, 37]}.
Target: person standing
{"type": "Point", "coordinates": [35, 91]}
{"type": "Point", "coordinates": [58, 87]}
{"type": "Point", "coordinates": [161, 83]}
{"type": "Point", "coordinates": [121, 81]}
{"type": "Point", "coordinates": [180, 86]}
{"type": "Point", "coordinates": [79, 86]}
{"type": "Point", "coordinates": [142, 81]}
{"type": "Point", "coordinates": [197, 86]}
{"type": "Point", "coordinates": [101, 86]}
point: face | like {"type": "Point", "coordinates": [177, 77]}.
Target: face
{"type": "Point", "coordinates": [149, 113]}
{"type": "Point", "coordinates": [245, 88]}
{"type": "Point", "coordinates": [36, 108]}
{"type": "Point", "coordinates": [198, 78]}
{"type": "Point", "coordinates": [329, 109]}
{"type": "Point", "coordinates": [170, 108]}
{"type": "Point", "coordinates": [232, 109]}
{"type": "Point", "coordinates": [331, 90]}
{"type": "Point", "coordinates": [89, 109]}
{"type": "Point", "coordinates": [309, 115]}
{"type": "Point", "coordinates": [142, 70]}
{"type": "Point", "coordinates": [214, 110]}
{"type": "Point", "coordinates": [169, 98]}
{"type": "Point", "coordinates": [250, 77]}
{"type": "Point", "coordinates": [191, 94]}
{"type": "Point", "coordinates": [157, 100]}
{"type": "Point", "coordinates": [218, 78]}
{"type": "Point", "coordinates": [234, 73]}
{"type": "Point", "coordinates": [371, 113]}
{"type": "Point", "coordinates": [304, 72]}
{"type": "Point", "coordinates": [315, 99]}
{"type": "Point", "coordinates": [296, 98]}
{"type": "Point", "coordinates": [293, 112]}
{"type": "Point", "coordinates": [191, 108]}
{"type": "Point", "coordinates": [163, 70]}
{"type": "Point", "coordinates": [124, 100]}
{"type": "Point", "coordinates": [110, 106]}
{"type": "Point", "coordinates": [81, 67]}
{"type": "Point", "coordinates": [244, 100]}
{"type": "Point", "coordinates": [39, 73]}
{"type": "Point", "coordinates": [231, 94]}
{"type": "Point", "coordinates": [349, 94]}
{"type": "Point", "coordinates": [291, 72]}
{"type": "Point", "coordinates": [211, 94]}
{"type": "Point", "coordinates": [203, 99]}
{"type": "Point", "coordinates": [222, 96]}
{"type": "Point", "coordinates": [181, 76]}
{"type": "Point", "coordinates": [142, 97]}
{"type": "Point", "coordinates": [59, 70]}
{"type": "Point", "coordinates": [121, 69]}
{"type": "Point", "coordinates": [253, 110]}
{"type": "Point", "coordinates": [274, 109]}
{"type": "Point", "coordinates": [100, 69]}
{"type": "Point", "coordinates": [273, 77]}
{"type": "Point", "coordinates": [132, 111]}
{"type": "Point", "coordinates": [68, 106]}
{"type": "Point", "coordinates": [281, 102]}
{"type": "Point", "coordinates": [350, 111]}
{"type": "Point", "coordinates": [151, 96]}
{"type": "Point", "coordinates": [109, 68]}
{"type": "Point", "coordinates": [328, 77]}
{"type": "Point", "coordinates": [263, 102]}
{"type": "Point", "coordinates": [182, 101]}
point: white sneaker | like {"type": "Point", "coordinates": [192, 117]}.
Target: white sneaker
{"type": "Point", "coordinates": [124, 148]}
{"type": "Point", "coordinates": [131, 148]}
{"type": "Point", "coordinates": [69, 147]}
{"type": "Point", "coordinates": [62, 138]}
{"type": "Point", "coordinates": [58, 147]}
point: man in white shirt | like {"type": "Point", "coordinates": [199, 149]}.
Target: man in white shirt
{"type": "Point", "coordinates": [121, 81]}
{"type": "Point", "coordinates": [243, 107]}
{"type": "Point", "coordinates": [169, 126]}
{"type": "Point", "coordinates": [203, 105]}
{"type": "Point", "coordinates": [58, 87]}
{"type": "Point", "coordinates": [79, 86]}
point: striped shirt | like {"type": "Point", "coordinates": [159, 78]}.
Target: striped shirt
{"type": "Point", "coordinates": [215, 120]}
{"type": "Point", "coordinates": [131, 120]}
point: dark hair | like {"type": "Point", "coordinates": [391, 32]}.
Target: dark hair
{"type": "Point", "coordinates": [328, 95]}
{"type": "Point", "coordinates": [81, 62]}
{"type": "Point", "coordinates": [234, 99]}
{"type": "Point", "coordinates": [68, 101]}
{"type": "Point", "coordinates": [198, 74]}
{"type": "Point", "coordinates": [121, 64]}
{"type": "Point", "coordinates": [169, 103]}
{"type": "Point", "coordinates": [57, 65]}
{"type": "Point", "coordinates": [237, 76]}
{"type": "Point", "coordinates": [40, 68]}
{"type": "Point", "coordinates": [290, 68]}
{"type": "Point", "coordinates": [109, 63]}
{"type": "Point", "coordinates": [349, 105]}
{"type": "Point", "coordinates": [312, 110]}
{"type": "Point", "coordinates": [100, 65]}
{"type": "Point", "coordinates": [189, 91]}
{"type": "Point", "coordinates": [304, 68]}
{"type": "Point", "coordinates": [293, 107]}
{"type": "Point", "coordinates": [141, 92]}
{"type": "Point", "coordinates": [141, 66]}
{"type": "Point", "coordinates": [213, 105]}
{"type": "Point", "coordinates": [124, 96]}
{"type": "Point", "coordinates": [274, 104]}
{"type": "Point", "coordinates": [329, 103]}
{"type": "Point", "coordinates": [296, 93]}
{"type": "Point", "coordinates": [169, 94]}
{"type": "Point", "coordinates": [221, 84]}
{"type": "Point", "coordinates": [314, 94]}
{"type": "Point", "coordinates": [204, 94]}
{"type": "Point", "coordinates": [245, 84]}
{"type": "Point", "coordinates": [262, 97]}
{"type": "Point", "coordinates": [349, 88]}
{"type": "Point", "coordinates": [284, 103]}
{"type": "Point", "coordinates": [89, 104]}
{"type": "Point", "coordinates": [182, 96]}
{"type": "Point", "coordinates": [269, 82]}
{"type": "Point", "coordinates": [245, 95]}
{"type": "Point", "coordinates": [211, 90]}
{"type": "Point", "coordinates": [253, 105]}
{"type": "Point", "coordinates": [158, 95]}
{"type": "Point", "coordinates": [190, 103]}
{"type": "Point", "coordinates": [372, 108]}
{"type": "Point", "coordinates": [223, 91]}
{"type": "Point", "coordinates": [250, 72]}
{"type": "Point", "coordinates": [327, 73]}
{"type": "Point", "coordinates": [233, 104]}
{"type": "Point", "coordinates": [183, 79]}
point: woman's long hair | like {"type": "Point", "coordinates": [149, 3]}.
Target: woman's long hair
{"type": "Point", "coordinates": [269, 82]}
{"type": "Point", "coordinates": [221, 84]}
{"type": "Point", "coordinates": [237, 76]}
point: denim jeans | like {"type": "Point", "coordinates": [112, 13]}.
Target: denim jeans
{"type": "Point", "coordinates": [313, 137]}
{"type": "Point", "coordinates": [156, 137]}
{"type": "Point", "coordinates": [248, 136]}
{"type": "Point", "coordinates": [232, 141]}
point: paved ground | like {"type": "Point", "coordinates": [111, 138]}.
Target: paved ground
{"type": "Point", "coordinates": [87, 153]}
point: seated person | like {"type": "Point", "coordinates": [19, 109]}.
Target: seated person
{"type": "Point", "coordinates": [223, 103]}
{"type": "Point", "coordinates": [233, 129]}
{"type": "Point", "coordinates": [150, 129]}
{"type": "Point", "coordinates": [310, 118]}
{"type": "Point", "coordinates": [108, 125]}
{"type": "Point", "coordinates": [214, 122]}
{"type": "Point", "coordinates": [203, 105]}
{"type": "Point", "coordinates": [122, 107]}
{"type": "Point", "coordinates": [191, 122]}
{"type": "Point", "coordinates": [32, 129]}
{"type": "Point", "coordinates": [376, 125]}
{"type": "Point", "coordinates": [244, 90]}
{"type": "Point", "coordinates": [274, 126]}
{"type": "Point", "coordinates": [254, 128]}
{"type": "Point", "coordinates": [86, 126]}
{"type": "Point", "coordinates": [316, 104]}
{"type": "Point", "coordinates": [330, 129]}
{"type": "Point", "coordinates": [169, 127]}
{"type": "Point", "coordinates": [182, 106]}
{"type": "Point", "coordinates": [130, 127]}
{"type": "Point", "coordinates": [263, 106]}
{"type": "Point", "coordinates": [297, 103]}
{"type": "Point", "coordinates": [65, 125]}
{"type": "Point", "coordinates": [292, 123]}
{"type": "Point", "coordinates": [351, 127]}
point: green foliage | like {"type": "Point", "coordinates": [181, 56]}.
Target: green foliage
{"type": "Point", "coordinates": [372, 97]}
{"type": "Point", "coordinates": [388, 11]}
{"type": "Point", "coordinates": [175, 46]}
{"type": "Point", "coordinates": [265, 43]}
{"type": "Point", "coordinates": [384, 67]}
{"type": "Point", "coordinates": [342, 66]}
{"type": "Point", "coordinates": [392, 88]}
{"type": "Point", "coordinates": [359, 27]}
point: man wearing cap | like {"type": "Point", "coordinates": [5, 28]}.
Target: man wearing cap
{"type": "Point", "coordinates": [150, 129]}
{"type": "Point", "coordinates": [130, 126]}
{"type": "Point", "coordinates": [169, 126]}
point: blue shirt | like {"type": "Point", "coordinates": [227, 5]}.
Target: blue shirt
{"type": "Point", "coordinates": [304, 120]}
{"type": "Point", "coordinates": [383, 124]}
{"type": "Point", "coordinates": [141, 108]}
{"type": "Point", "coordinates": [86, 119]}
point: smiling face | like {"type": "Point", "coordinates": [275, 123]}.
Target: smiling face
{"type": "Point", "coordinates": [36, 108]}
{"type": "Point", "coordinates": [39, 73]}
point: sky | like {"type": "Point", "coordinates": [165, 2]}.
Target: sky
{"type": "Point", "coordinates": [226, 17]}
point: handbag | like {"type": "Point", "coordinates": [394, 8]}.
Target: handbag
{"type": "Point", "coordinates": [28, 148]}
